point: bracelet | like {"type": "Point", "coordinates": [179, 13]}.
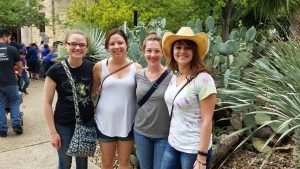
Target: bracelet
{"type": "Point", "coordinates": [202, 153]}
{"type": "Point", "coordinates": [201, 162]}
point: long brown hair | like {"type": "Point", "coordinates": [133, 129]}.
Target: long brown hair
{"type": "Point", "coordinates": [196, 63]}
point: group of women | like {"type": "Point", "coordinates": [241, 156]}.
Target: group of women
{"type": "Point", "coordinates": [173, 124]}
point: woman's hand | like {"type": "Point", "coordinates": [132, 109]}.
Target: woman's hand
{"type": "Point", "coordinates": [55, 140]}
{"type": "Point", "coordinates": [199, 165]}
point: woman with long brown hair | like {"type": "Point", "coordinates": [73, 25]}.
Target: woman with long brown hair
{"type": "Point", "coordinates": [191, 98]}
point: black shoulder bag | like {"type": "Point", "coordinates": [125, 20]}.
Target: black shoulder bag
{"type": "Point", "coordinates": [153, 88]}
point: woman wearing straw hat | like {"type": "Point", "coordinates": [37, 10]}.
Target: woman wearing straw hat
{"type": "Point", "coordinates": [191, 98]}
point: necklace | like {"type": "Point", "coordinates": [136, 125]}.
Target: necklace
{"type": "Point", "coordinates": [185, 73]}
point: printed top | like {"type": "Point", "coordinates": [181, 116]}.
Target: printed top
{"type": "Point", "coordinates": [186, 119]}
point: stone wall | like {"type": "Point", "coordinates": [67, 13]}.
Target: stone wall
{"type": "Point", "coordinates": [55, 12]}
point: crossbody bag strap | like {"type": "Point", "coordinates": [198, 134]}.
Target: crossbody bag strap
{"type": "Point", "coordinates": [153, 88]}
{"type": "Point", "coordinates": [71, 80]}
{"type": "Point", "coordinates": [188, 81]}
{"type": "Point", "coordinates": [121, 68]}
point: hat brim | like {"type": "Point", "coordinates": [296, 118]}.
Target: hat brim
{"type": "Point", "coordinates": [200, 39]}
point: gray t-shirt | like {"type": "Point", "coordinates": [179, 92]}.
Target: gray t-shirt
{"type": "Point", "coordinates": [152, 119]}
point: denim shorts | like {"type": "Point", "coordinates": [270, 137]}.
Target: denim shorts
{"type": "Point", "coordinates": [107, 139]}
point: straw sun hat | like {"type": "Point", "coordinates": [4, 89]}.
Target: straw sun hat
{"type": "Point", "coordinates": [185, 33]}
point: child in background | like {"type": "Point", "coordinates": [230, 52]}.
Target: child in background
{"type": "Point", "coordinates": [24, 81]}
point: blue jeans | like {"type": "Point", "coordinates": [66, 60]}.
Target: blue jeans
{"type": "Point", "coordinates": [10, 94]}
{"type": "Point", "coordinates": [150, 150]}
{"type": "Point", "coordinates": [24, 83]}
{"type": "Point", "coordinates": [65, 161]}
{"type": "Point", "coordinates": [174, 159]}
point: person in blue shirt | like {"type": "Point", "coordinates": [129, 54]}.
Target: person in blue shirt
{"type": "Point", "coordinates": [45, 51]}
{"type": "Point", "coordinates": [49, 59]}
{"type": "Point", "coordinates": [33, 63]}
{"type": "Point", "coordinates": [24, 81]}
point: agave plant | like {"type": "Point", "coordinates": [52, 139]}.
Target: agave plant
{"type": "Point", "coordinates": [96, 49]}
{"type": "Point", "coordinates": [273, 91]}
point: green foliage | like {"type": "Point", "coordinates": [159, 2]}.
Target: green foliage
{"type": "Point", "coordinates": [104, 14]}
{"type": "Point", "coordinates": [234, 35]}
{"type": "Point", "coordinates": [276, 127]}
{"type": "Point", "coordinates": [228, 48]}
{"type": "Point", "coordinates": [250, 34]}
{"type": "Point", "coordinates": [210, 24]}
{"type": "Point", "coordinates": [96, 49]}
{"type": "Point", "coordinates": [272, 90]}
{"type": "Point", "coordinates": [227, 59]}
{"type": "Point", "coordinates": [261, 118]}
{"type": "Point", "coordinates": [267, 8]}
{"type": "Point", "coordinates": [111, 14]}
{"type": "Point", "coordinates": [249, 120]}
{"type": "Point", "coordinates": [259, 144]}
{"type": "Point", "coordinates": [19, 13]}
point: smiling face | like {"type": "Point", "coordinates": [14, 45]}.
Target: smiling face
{"type": "Point", "coordinates": [153, 52]}
{"type": "Point", "coordinates": [182, 53]}
{"type": "Point", "coordinates": [76, 45]}
{"type": "Point", "coordinates": [117, 45]}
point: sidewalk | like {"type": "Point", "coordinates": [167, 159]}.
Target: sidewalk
{"type": "Point", "coordinates": [32, 149]}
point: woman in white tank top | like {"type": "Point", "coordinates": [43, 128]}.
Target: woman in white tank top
{"type": "Point", "coordinates": [117, 105]}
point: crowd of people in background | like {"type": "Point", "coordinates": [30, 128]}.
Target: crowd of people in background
{"type": "Point", "coordinates": [36, 60]}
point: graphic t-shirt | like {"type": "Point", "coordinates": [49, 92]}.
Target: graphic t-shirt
{"type": "Point", "coordinates": [64, 112]}
{"type": "Point", "coordinates": [8, 58]}
{"type": "Point", "coordinates": [186, 119]}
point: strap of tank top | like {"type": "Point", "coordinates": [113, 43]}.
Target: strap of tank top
{"type": "Point", "coordinates": [121, 68]}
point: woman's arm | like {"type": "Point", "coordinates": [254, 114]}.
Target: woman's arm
{"type": "Point", "coordinates": [207, 106]}
{"type": "Point", "coordinates": [138, 66]}
{"type": "Point", "coordinates": [97, 71]}
{"type": "Point", "coordinates": [49, 90]}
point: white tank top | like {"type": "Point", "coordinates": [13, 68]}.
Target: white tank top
{"type": "Point", "coordinates": [116, 109]}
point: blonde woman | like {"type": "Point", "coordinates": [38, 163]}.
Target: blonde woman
{"type": "Point", "coordinates": [61, 121]}
{"type": "Point", "coordinates": [151, 127]}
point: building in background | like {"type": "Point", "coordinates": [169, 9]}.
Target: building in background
{"type": "Point", "coordinates": [55, 12]}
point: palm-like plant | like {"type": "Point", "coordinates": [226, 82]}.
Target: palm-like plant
{"type": "Point", "coordinates": [96, 49]}
{"type": "Point", "coordinates": [269, 8]}
{"type": "Point", "coordinates": [273, 89]}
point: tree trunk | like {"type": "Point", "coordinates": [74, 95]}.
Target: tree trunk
{"type": "Point", "coordinates": [225, 19]}
{"type": "Point", "coordinates": [295, 24]}
{"type": "Point", "coordinates": [223, 147]}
